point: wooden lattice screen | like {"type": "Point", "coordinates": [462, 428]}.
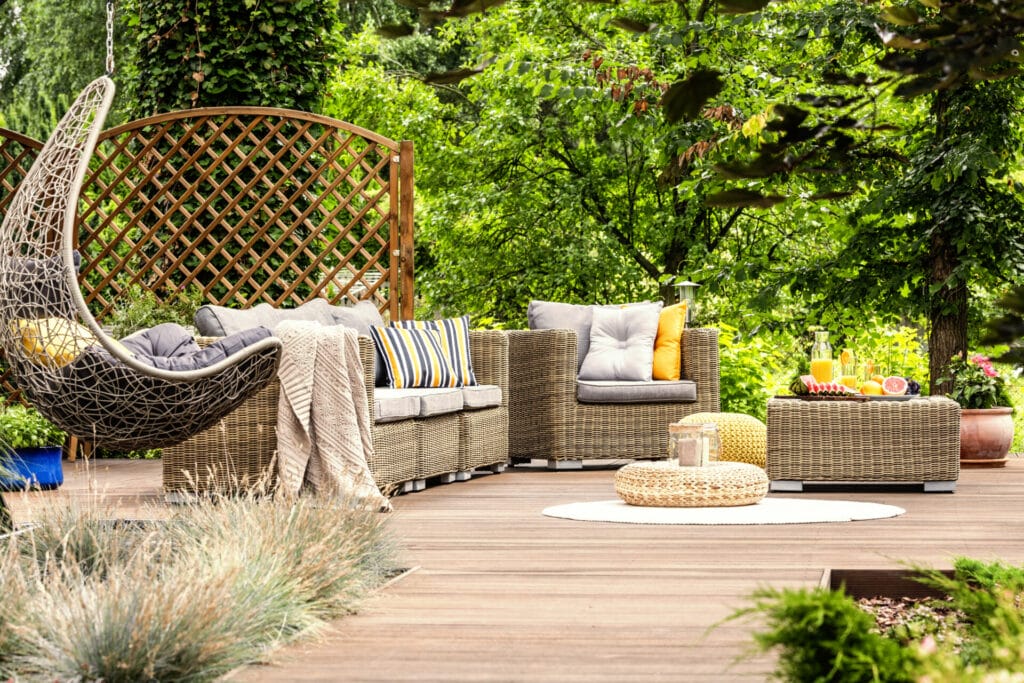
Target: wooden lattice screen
{"type": "Point", "coordinates": [248, 204]}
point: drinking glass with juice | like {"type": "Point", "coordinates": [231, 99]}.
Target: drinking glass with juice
{"type": "Point", "coordinates": [848, 368]}
{"type": "Point", "coordinates": [821, 357]}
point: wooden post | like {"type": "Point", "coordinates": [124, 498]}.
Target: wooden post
{"type": "Point", "coordinates": [406, 251]}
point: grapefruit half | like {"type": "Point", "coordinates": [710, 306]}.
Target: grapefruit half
{"type": "Point", "coordinates": [894, 386]}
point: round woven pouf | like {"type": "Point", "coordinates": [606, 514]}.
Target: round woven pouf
{"type": "Point", "coordinates": [663, 483]}
{"type": "Point", "coordinates": [744, 437]}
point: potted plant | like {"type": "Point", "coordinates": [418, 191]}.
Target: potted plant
{"type": "Point", "coordinates": [30, 449]}
{"type": "Point", "coordinates": [986, 411]}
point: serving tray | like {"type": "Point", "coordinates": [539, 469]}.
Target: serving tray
{"type": "Point", "coordinates": [853, 397]}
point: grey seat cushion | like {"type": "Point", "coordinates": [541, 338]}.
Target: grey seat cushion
{"type": "Point", "coordinates": [658, 391]}
{"type": "Point", "coordinates": [170, 346]}
{"type": "Point", "coordinates": [218, 321]}
{"type": "Point", "coordinates": [436, 401]}
{"type": "Point", "coordinates": [392, 405]}
{"type": "Point", "coordinates": [481, 396]}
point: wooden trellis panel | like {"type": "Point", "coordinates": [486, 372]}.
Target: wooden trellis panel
{"type": "Point", "coordinates": [17, 153]}
{"type": "Point", "coordinates": [249, 204]}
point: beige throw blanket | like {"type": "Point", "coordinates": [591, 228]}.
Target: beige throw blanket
{"type": "Point", "coordinates": [323, 421]}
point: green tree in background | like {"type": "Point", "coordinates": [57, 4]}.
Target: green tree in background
{"type": "Point", "coordinates": [49, 50]}
{"type": "Point", "coordinates": [559, 176]}
{"type": "Point", "coordinates": [230, 52]}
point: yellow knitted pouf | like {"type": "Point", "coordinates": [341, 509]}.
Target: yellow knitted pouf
{"type": "Point", "coordinates": [744, 438]}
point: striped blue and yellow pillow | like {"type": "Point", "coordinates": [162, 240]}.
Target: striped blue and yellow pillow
{"type": "Point", "coordinates": [454, 342]}
{"type": "Point", "coordinates": [413, 357]}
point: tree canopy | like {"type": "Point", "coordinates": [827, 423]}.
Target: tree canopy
{"type": "Point", "coordinates": [827, 162]}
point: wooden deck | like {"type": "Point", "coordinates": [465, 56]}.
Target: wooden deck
{"type": "Point", "coordinates": [505, 594]}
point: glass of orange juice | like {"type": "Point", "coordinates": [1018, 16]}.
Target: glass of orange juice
{"type": "Point", "coordinates": [848, 368]}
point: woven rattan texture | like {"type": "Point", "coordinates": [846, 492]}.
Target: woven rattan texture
{"type": "Point", "coordinates": [665, 484]}
{"type": "Point", "coordinates": [246, 204]}
{"type": "Point", "coordinates": [229, 456]}
{"type": "Point", "coordinates": [547, 421]}
{"type": "Point", "coordinates": [397, 456]}
{"type": "Point", "coordinates": [437, 440]}
{"type": "Point", "coordinates": [483, 438]}
{"type": "Point", "coordinates": [63, 362]}
{"type": "Point", "coordinates": [882, 441]}
{"type": "Point", "coordinates": [744, 437]}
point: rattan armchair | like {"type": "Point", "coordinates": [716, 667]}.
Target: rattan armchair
{"type": "Point", "coordinates": [547, 421]}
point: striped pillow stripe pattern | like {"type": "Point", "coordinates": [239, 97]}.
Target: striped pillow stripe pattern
{"type": "Point", "coordinates": [413, 357]}
{"type": "Point", "coordinates": [454, 342]}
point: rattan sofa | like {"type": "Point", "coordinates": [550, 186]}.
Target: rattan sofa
{"type": "Point", "coordinates": [547, 420]}
{"type": "Point", "coordinates": [239, 452]}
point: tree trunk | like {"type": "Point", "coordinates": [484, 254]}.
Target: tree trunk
{"type": "Point", "coordinates": [947, 313]}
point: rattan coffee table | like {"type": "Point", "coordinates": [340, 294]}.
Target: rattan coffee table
{"type": "Point", "coordinates": [663, 483]}
{"type": "Point", "coordinates": [915, 441]}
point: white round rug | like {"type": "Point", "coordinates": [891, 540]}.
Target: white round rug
{"type": "Point", "coordinates": [768, 511]}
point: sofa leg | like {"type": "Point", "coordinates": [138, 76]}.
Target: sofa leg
{"type": "Point", "coordinates": [419, 484]}
{"type": "Point", "coordinates": [408, 486]}
{"type": "Point", "coordinates": [565, 464]}
{"type": "Point", "coordinates": [446, 478]}
{"type": "Point", "coordinates": [464, 475]}
{"type": "Point", "coordinates": [498, 468]}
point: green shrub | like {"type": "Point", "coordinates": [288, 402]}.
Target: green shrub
{"type": "Point", "coordinates": [23, 427]}
{"type": "Point", "coordinates": [188, 599]}
{"type": "Point", "coordinates": [753, 369]}
{"type": "Point", "coordinates": [822, 635]}
{"type": "Point", "coordinates": [138, 308]}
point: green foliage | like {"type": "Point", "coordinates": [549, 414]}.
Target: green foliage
{"type": "Point", "coordinates": [23, 427]}
{"type": "Point", "coordinates": [187, 599]}
{"type": "Point", "coordinates": [49, 50]}
{"type": "Point", "coordinates": [753, 369]}
{"type": "Point", "coordinates": [975, 383]}
{"type": "Point", "coordinates": [822, 635]}
{"type": "Point", "coordinates": [230, 52]}
{"type": "Point", "coordinates": [137, 309]}
{"type": "Point", "coordinates": [892, 350]}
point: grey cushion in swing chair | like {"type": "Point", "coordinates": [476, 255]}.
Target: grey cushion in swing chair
{"type": "Point", "coordinates": [75, 374]}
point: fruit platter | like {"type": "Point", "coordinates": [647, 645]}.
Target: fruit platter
{"type": "Point", "coordinates": [893, 388]}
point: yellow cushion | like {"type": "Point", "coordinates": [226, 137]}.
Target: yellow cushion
{"type": "Point", "coordinates": [744, 437]}
{"type": "Point", "coordinates": [54, 341]}
{"type": "Point", "coordinates": [668, 351]}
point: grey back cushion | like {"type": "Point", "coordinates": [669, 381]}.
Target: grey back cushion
{"type": "Point", "coordinates": [171, 347]}
{"type": "Point", "coordinates": [220, 321]}
{"type": "Point", "coordinates": [552, 315]}
{"type": "Point", "coordinates": [622, 343]}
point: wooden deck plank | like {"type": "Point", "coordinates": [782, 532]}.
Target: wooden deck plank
{"type": "Point", "coordinates": [505, 594]}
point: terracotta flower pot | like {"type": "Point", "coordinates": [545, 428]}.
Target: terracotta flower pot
{"type": "Point", "coordinates": [985, 436]}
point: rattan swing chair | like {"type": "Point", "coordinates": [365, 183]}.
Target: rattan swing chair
{"type": "Point", "coordinates": [72, 371]}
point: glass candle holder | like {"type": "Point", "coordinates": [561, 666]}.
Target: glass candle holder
{"type": "Point", "coordinates": [693, 445]}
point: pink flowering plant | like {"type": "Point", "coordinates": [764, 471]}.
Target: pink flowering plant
{"type": "Point", "coordinates": [976, 384]}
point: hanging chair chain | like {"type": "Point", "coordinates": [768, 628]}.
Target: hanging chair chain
{"type": "Point", "coordinates": [110, 38]}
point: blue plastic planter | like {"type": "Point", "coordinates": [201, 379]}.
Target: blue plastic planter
{"type": "Point", "coordinates": [41, 467]}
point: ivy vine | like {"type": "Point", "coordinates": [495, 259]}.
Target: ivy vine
{"type": "Point", "coordinates": [200, 53]}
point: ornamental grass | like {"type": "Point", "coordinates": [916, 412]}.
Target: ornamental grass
{"type": "Point", "coordinates": [189, 599]}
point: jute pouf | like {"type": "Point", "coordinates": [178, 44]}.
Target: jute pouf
{"type": "Point", "coordinates": [744, 437]}
{"type": "Point", "coordinates": [663, 483]}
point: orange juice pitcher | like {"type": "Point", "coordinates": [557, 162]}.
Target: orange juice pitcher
{"type": "Point", "coordinates": [821, 357]}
